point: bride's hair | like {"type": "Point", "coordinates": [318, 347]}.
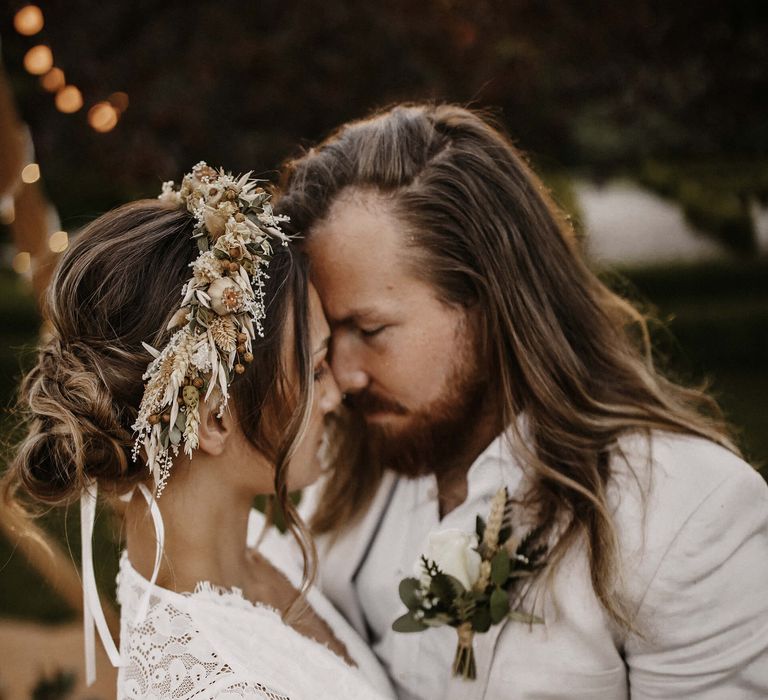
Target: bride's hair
{"type": "Point", "coordinates": [117, 286]}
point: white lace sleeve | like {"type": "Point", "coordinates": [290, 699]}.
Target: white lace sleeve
{"type": "Point", "coordinates": [165, 656]}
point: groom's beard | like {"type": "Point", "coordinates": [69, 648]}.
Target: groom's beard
{"type": "Point", "coordinates": [432, 438]}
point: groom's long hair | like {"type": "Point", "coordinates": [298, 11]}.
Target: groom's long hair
{"type": "Point", "coordinates": [564, 349]}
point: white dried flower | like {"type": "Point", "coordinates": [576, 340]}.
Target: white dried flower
{"type": "Point", "coordinates": [226, 296]}
{"type": "Point", "coordinates": [207, 267]}
{"type": "Point", "coordinates": [170, 195]}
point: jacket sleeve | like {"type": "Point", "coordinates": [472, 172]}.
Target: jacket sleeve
{"type": "Point", "coordinates": [702, 625]}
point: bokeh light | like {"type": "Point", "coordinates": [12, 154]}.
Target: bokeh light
{"type": "Point", "coordinates": [119, 100]}
{"type": "Point", "coordinates": [28, 20]}
{"type": "Point", "coordinates": [102, 117]}
{"type": "Point", "coordinates": [22, 262]}
{"type": "Point", "coordinates": [30, 173]}
{"type": "Point", "coordinates": [7, 210]}
{"type": "Point", "coordinates": [69, 99]}
{"type": "Point", "coordinates": [53, 80]}
{"type": "Point", "coordinates": [38, 60]}
{"type": "Point", "coordinates": [58, 241]}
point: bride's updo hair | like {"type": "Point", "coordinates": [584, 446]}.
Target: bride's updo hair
{"type": "Point", "coordinates": [117, 286]}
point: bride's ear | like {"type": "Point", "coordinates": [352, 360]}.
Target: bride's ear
{"type": "Point", "coordinates": [214, 432]}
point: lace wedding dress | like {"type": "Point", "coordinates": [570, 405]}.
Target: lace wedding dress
{"type": "Point", "coordinates": [213, 643]}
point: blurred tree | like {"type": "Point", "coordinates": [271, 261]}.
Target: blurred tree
{"type": "Point", "coordinates": [593, 82]}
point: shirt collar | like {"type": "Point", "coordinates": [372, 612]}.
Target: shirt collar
{"type": "Point", "coordinates": [499, 464]}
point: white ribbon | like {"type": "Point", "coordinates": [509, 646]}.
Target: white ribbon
{"type": "Point", "coordinates": [157, 521]}
{"type": "Point", "coordinates": [92, 610]}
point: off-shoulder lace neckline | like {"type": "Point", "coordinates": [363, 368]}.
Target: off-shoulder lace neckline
{"type": "Point", "coordinates": [203, 590]}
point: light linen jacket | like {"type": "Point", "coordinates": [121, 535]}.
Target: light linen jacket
{"type": "Point", "coordinates": [692, 521]}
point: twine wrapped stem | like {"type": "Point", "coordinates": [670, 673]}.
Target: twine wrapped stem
{"type": "Point", "coordinates": [464, 662]}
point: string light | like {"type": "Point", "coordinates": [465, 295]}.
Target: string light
{"type": "Point", "coordinates": [69, 99]}
{"type": "Point", "coordinates": [102, 117]}
{"type": "Point", "coordinates": [53, 80]}
{"type": "Point", "coordinates": [58, 241]}
{"type": "Point", "coordinates": [22, 262]}
{"type": "Point", "coordinates": [30, 173]}
{"type": "Point", "coordinates": [119, 100]}
{"type": "Point", "coordinates": [38, 60]}
{"type": "Point", "coordinates": [28, 20]}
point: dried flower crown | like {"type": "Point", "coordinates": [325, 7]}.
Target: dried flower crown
{"type": "Point", "coordinates": [220, 314]}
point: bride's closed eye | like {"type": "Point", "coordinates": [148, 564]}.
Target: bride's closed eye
{"type": "Point", "coordinates": [321, 371]}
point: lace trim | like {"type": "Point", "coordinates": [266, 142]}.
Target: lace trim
{"type": "Point", "coordinates": [165, 655]}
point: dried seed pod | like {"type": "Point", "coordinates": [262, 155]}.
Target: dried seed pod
{"type": "Point", "coordinates": [248, 357]}
{"type": "Point", "coordinates": [239, 368]}
{"type": "Point", "coordinates": [241, 349]}
{"type": "Point", "coordinates": [198, 382]}
{"type": "Point", "coordinates": [191, 396]}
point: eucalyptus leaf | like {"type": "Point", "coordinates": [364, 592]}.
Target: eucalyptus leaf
{"type": "Point", "coordinates": [445, 587]}
{"type": "Point", "coordinates": [407, 623]}
{"type": "Point", "coordinates": [202, 244]}
{"type": "Point", "coordinates": [175, 435]}
{"type": "Point", "coordinates": [481, 620]}
{"type": "Point", "coordinates": [220, 254]}
{"type": "Point", "coordinates": [500, 567]}
{"type": "Point", "coordinates": [408, 593]}
{"type": "Point", "coordinates": [499, 605]}
{"type": "Point", "coordinates": [181, 421]}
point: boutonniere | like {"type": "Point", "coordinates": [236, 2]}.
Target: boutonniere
{"type": "Point", "coordinates": [466, 580]}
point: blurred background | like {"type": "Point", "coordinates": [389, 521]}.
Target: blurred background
{"type": "Point", "coordinates": [648, 120]}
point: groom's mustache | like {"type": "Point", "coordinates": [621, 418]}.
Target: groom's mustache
{"type": "Point", "coordinates": [368, 402]}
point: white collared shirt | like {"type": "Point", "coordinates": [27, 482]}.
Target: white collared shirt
{"type": "Point", "coordinates": [412, 514]}
{"type": "Point", "coordinates": [692, 524]}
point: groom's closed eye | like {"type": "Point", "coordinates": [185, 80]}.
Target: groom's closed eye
{"type": "Point", "coordinates": [372, 332]}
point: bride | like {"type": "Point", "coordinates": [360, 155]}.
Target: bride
{"type": "Point", "coordinates": [186, 408]}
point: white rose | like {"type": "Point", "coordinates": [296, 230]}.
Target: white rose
{"type": "Point", "coordinates": [454, 553]}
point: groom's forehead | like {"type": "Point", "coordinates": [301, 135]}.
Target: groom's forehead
{"type": "Point", "coordinates": [359, 262]}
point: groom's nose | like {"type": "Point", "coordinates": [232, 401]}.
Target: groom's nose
{"type": "Point", "coordinates": [346, 364]}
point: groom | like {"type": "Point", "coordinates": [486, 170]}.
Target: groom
{"type": "Point", "coordinates": [477, 351]}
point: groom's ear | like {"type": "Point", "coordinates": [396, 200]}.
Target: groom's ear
{"type": "Point", "coordinates": [214, 431]}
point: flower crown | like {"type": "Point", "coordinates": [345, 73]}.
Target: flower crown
{"type": "Point", "coordinates": [220, 314]}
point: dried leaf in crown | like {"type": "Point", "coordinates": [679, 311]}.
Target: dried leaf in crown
{"type": "Point", "coordinates": [220, 314]}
